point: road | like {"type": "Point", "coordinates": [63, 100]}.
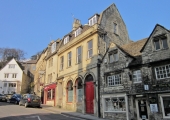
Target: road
{"type": "Point", "coordinates": [9, 111]}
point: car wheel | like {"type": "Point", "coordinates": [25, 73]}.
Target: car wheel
{"type": "Point", "coordinates": [16, 102]}
{"type": "Point", "coordinates": [26, 105]}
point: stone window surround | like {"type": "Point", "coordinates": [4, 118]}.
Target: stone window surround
{"type": "Point", "coordinates": [158, 67]}
{"type": "Point", "coordinates": [159, 38]}
{"type": "Point", "coordinates": [162, 104]}
{"type": "Point", "coordinates": [137, 76]}
{"type": "Point", "coordinates": [113, 52]}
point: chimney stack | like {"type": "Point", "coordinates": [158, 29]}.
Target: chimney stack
{"type": "Point", "coordinates": [76, 24]}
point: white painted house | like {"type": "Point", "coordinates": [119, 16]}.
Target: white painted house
{"type": "Point", "coordinates": [10, 78]}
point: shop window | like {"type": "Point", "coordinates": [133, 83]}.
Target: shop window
{"type": "Point", "coordinates": [137, 76]}
{"type": "Point", "coordinates": [162, 72]}
{"type": "Point", "coordinates": [165, 104]}
{"type": "Point", "coordinates": [49, 94]}
{"type": "Point", "coordinates": [115, 104]}
{"type": "Point", "coordinates": [70, 91]}
{"type": "Point", "coordinates": [114, 80]}
{"type": "Point", "coordinates": [79, 90]}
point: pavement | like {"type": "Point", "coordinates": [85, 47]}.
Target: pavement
{"type": "Point", "coordinates": [70, 113]}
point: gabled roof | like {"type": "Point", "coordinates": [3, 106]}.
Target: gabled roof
{"type": "Point", "coordinates": [19, 64]}
{"type": "Point", "coordinates": [151, 35]}
{"type": "Point", "coordinates": [134, 48]}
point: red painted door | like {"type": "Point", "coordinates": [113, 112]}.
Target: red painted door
{"type": "Point", "coordinates": [89, 97]}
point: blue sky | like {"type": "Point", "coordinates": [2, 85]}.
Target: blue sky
{"type": "Point", "coordinates": [30, 25]}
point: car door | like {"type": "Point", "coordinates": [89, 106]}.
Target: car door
{"type": "Point", "coordinates": [12, 98]}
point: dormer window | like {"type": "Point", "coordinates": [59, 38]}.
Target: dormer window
{"type": "Point", "coordinates": [113, 56]}
{"type": "Point", "coordinates": [53, 47]}
{"type": "Point", "coordinates": [66, 40]}
{"type": "Point", "coordinates": [93, 20]}
{"type": "Point", "coordinates": [78, 32]}
{"type": "Point", "coordinates": [160, 43]}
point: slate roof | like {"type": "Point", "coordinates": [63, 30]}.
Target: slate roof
{"type": "Point", "coordinates": [72, 35]}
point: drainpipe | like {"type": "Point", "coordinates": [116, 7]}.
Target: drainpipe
{"type": "Point", "coordinates": [98, 75]}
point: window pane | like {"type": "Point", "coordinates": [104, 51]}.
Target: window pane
{"type": "Point", "coordinates": [157, 45]}
{"type": "Point", "coordinates": [90, 45]}
{"type": "Point", "coordinates": [111, 58]}
{"type": "Point", "coordinates": [164, 43]}
{"type": "Point", "coordinates": [137, 76]}
{"type": "Point", "coordinates": [70, 96]}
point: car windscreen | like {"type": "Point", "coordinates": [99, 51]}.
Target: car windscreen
{"type": "Point", "coordinates": [34, 97]}
{"type": "Point", "coordinates": [19, 96]}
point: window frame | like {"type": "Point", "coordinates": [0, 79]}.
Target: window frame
{"type": "Point", "coordinates": [113, 53]}
{"type": "Point", "coordinates": [93, 20]}
{"type": "Point", "coordinates": [105, 106]}
{"type": "Point", "coordinates": [162, 71]}
{"type": "Point", "coordinates": [78, 55]}
{"type": "Point", "coordinates": [6, 75]}
{"type": "Point", "coordinates": [69, 59]}
{"type": "Point", "coordinates": [135, 72]}
{"type": "Point", "coordinates": [14, 75]}
{"type": "Point", "coordinates": [53, 47]}
{"type": "Point", "coordinates": [89, 49]}
{"type": "Point", "coordinates": [69, 84]}
{"type": "Point", "coordinates": [78, 32]}
{"type": "Point", "coordinates": [66, 40]}
{"type": "Point", "coordinates": [61, 62]}
{"type": "Point", "coordinates": [162, 104]}
{"type": "Point", "coordinates": [115, 79]}
{"type": "Point", "coordinates": [160, 42]}
{"type": "Point", "coordinates": [11, 66]}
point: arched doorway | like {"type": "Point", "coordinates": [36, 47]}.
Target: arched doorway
{"type": "Point", "coordinates": [89, 94]}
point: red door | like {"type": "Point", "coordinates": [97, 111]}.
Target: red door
{"type": "Point", "coordinates": [89, 97]}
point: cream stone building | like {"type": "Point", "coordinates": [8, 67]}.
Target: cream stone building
{"type": "Point", "coordinates": [79, 57]}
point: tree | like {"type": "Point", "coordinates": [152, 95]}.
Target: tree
{"type": "Point", "coordinates": [6, 54]}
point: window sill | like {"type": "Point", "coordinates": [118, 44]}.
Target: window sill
{"type": "Point", "coordinates": [61, 70]}
{"type": "Point", "coordinates": [116, 111]}
{"type": "Point", "coordinates": [78, 63]}
{"type": "Point", "coordinates": [89, 58]}
{"type": "Point", "coordinates": [137, 82]}
{"type": "Point", "coordinates": [69, 67]}
{"type": "Point", "coordinates": [50, 99]}
{"type": "Point", "coordinates": [160, 49]}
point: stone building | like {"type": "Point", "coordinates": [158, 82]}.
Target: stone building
{"type": "Point", "coordinates": [79, 57]}
{"type": "Point", "coordinates": [135, 78]}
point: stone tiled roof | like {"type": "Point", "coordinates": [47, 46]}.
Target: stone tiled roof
{"type": "Point", "coordinates": [134, 48]}
{"type": "Point", "coordinates": [31, 62]}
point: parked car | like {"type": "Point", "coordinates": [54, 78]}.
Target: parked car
{"type": "Point", "coordinates": [30, 100]}
{"type": "Point", "coordinates": [15, 98]}
{"type": "Point", "coordinates": [2, 97]}
{"type": "Point", "coordinates": [8, 97]}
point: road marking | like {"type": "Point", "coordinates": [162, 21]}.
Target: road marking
{"type": "Point", "coordinates": [34, 117]}
{"type": "Point", "coordinates": [64, 115]}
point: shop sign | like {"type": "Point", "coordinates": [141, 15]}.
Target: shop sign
{"type": "Point", "coordinates": [154, 107]}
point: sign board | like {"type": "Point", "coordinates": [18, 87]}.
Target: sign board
{"type": "Point", "coordinates": [154, 107]}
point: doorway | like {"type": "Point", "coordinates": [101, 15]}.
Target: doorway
{"type": "Point", "coordinates": [89, 93]}
{"type": "Point", "coordinates": [142, 112]}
